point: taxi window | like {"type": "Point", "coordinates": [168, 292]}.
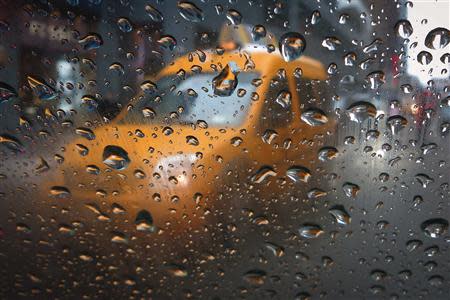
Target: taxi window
{"type": "Point", "coordinates": [192, 99]}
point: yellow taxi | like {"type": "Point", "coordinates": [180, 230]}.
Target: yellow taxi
{"type": "Point", "coordinates": [206, 117]}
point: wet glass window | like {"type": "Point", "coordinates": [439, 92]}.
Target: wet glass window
{"type": "Point", "coordinates": [226, 149]}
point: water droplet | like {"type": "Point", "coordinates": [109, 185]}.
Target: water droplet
{"type": "Point", "coordinates": [360, 111]}
{"type": "Point", "coordinates": [86, 133]}
{"type": "Point", "coordinates": [41, 89]}
{"type": "Point", "coordinates": [144, 221]}
{"type": "Point", "coordinates": [276, 250]}
{"type": "Point", "coordinates": [262, 174]}
{"type": "Point", "coordinates": [154, 14]}
{"type": "Point", "coordinates": [437, 38]}
{"type": "Point", "coordinates": [115, 157]}
{"type": "Point", "coordinates": [124, 25]}
{"type": "Point", "coordinates": [11, 143]}
{"type": "Point", "coordinates": [403, 29]}
{"type": "Point", "coordinates": [284, 99]}
{"type": "Point", "coordinates": [314, 117]}
{"type": "Point", "coordinates": [435, 228]}
{"type": "Point", "coordinates": [269, 135]}
{"type": "Point", "coordinates": [309, 231]}
{"type": "Point", "coordinates": [190, 12]}
{"type": "Point", "coordinates": [292, 45]}
{"type": "Point", "coordinates": [148, 87]}
{"type": "Point", "coordinates": [226, 82]}
{"type": "Point", "coordinates": [176, 270]}
{"type": "Point", "coordinates": [340, 214]}
{"type": "Point", "coordinates": [315, 17]}
{"type": "Point", "coordinates": [6, 92]}
{"type": "Point", "coordinates": [236, 141]}
{"type": "Point", "coordinates": [119, 238]}
{"type": "Point", "coordinates": [192, 140]}
{"type": "Point", "coordinates": [424, 180]}
{"type": "Point", "coordinates": [42, 166]}
{"type": "Point", "coordinates": [376, 79]}
{"type": "Point", "coordinates": [59, 192]}
{"type": "Point", "coordinates": [316, 193]}
{"type": "Point", "coordinates": [412, 245]}
{"type": "Point", "coordinates": [167, 42]}
{"type": "Point", "coordinates": [91, 41]}
{"type": "Point", "coordinates": [327, 153]}
{"type": "Point", "coordinates": [331, 43]}
{"type": "Point", "coordinates": [117, 68]}
{"type": "Point", "coordinates": [396, 123]}
{"type": "Point", "coordinates": [298, 173]}
{"type": "Point", "coordinates": [424, 57]}
{"type": "Point", "coordinates": [234, 17]}
{"type": "Point", "coordinates": [255, 277]}
{"type": "Point", "coordinates": [351, 190]}
{"type": "Point", "coordinates": [258, 32]}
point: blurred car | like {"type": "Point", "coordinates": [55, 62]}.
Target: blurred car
{"type": "Point", "coordinates": [182, 136]}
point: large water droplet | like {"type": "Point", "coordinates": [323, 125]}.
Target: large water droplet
{"type": "Point", "coordinates": [115, 157]}
{"type": "Point", "coordinates": [327, 153]}
{"type": "Point", "coordinates": [167, 42]}
{"type": "Point", "coordinates": [424, 57]}
{"type": "Point", "coordinates": [435, 228]}
{"type": "Point", "coordinates": [190, 12]}
{"type": "Point", "coordinates": [298, 173]}
{"type": "Point", "coordinates": [284, 99]}
{"type": "Point", "coordinates": [154, 14]}
{"type": "Point", "coordinates": [258, 32]}
{"type": "Point", "coordinates": [234, 17]}
{"type": "Point", "coordinates": [41, 89]}
{"type": "Point", "coordinates": [144, 221]}
{"type": "Point", "coordinates": [351, 190]}
{"type": "Point", "coordinates": [396, 123]}
{"type": "Point", "coordinates": [262, 174]}
{"type": "Point", "coordinates": [91, 41]}
{"type": "Point", "coordinates": [437, 38]}
{"type": "Point", "coordinates": [376, 79]}
{"type": "Point", "coordinates": [403, 29]}
{"type": "Point", "coordinates": [360, 111]}
{"type": "Point", "coordinates": [309, 231]}
{"type": "Point", "coordinates": [292, 45]}
{"type": "Point", "coordinates": [11, 143]}
{"type": "Point", "coordinates": [314, 117]}
{"type": "Point", "coordinates": [226, 82]}
{"type": "Point", "coordinates": [340, 214]}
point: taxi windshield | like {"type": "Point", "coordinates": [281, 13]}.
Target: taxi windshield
{"type": "Point", "coordinates": [192, 99]}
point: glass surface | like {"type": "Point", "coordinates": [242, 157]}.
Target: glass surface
{"type": "Point", "coordinates": [224, 149]}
